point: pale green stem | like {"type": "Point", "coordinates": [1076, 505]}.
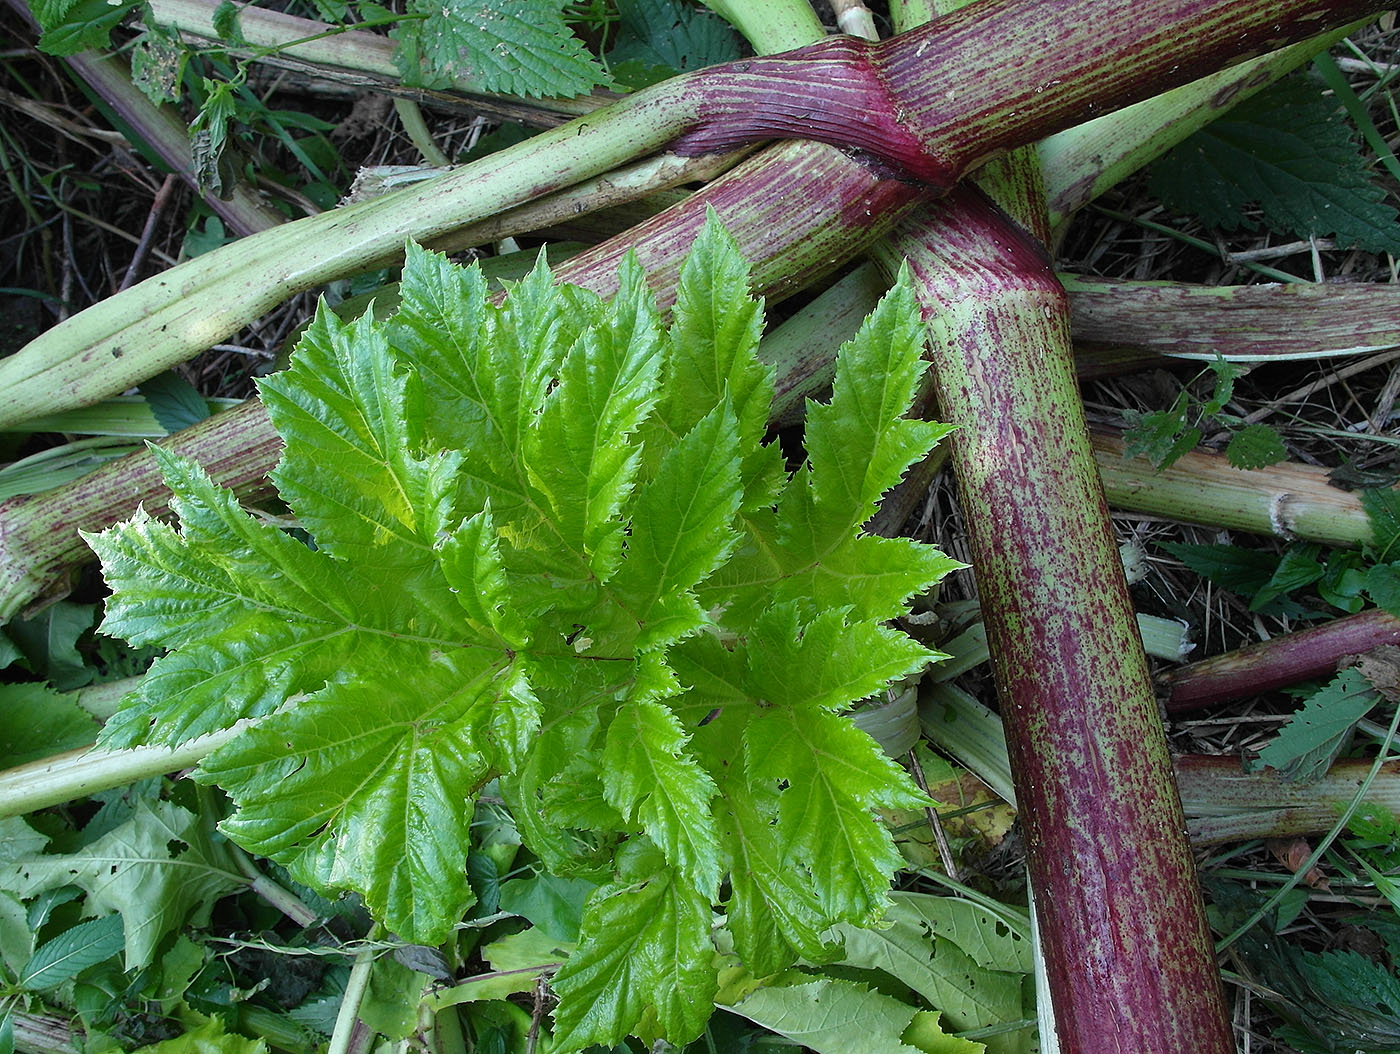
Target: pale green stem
{"type": "Point", "coordinates": [411, 117]}
{"type": "Point", "coordinates": [1080, 164]}
{"type": "Point", "coordinates": [281, 898]}
{"type": "Point", "coordinates": [79, 773]}
{"type": "Point", "coordinates": [274, 35]}
{"type": "Point", "coordinates": [773, 26]}
{"type": "Point", "coordinates": [102, 700]}
{"type": "Point", "coordinates": [168, 318]}
{"type": "Point", "coordinates": [355, 989]}
{"type": "Point", "coordinates": [1288, 500]}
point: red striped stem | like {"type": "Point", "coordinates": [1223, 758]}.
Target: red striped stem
{"type": "Point", "coordinates": [1123, 928]}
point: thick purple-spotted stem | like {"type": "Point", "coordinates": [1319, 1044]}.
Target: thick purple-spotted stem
{"type": "Point", "coordinates": [1276, 663]}
{"type": "Point", "coordinates": [940, 100]}
{"type": "Point", "coordinates": [1123, 929]}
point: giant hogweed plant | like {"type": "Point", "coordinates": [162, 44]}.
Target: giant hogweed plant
{"type": "Point", "coordinates": [544, 543]}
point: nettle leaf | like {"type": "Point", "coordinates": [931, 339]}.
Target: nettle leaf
{"type": "Point", "coordinates": [1383, 513]}
{"type": "Point", "coordinates": [1285, 151]}
{"type": "Point", "coordinates": [1255, 446]}
{"type": "Point", "coordinates": [513, 47]}
{"type": "Point", "coordinates": [71, 26]}
{"type": "Point", "coordinates": [1313, 737]}
{"type": "Point", "coordinates": [543, 543]}
{"type": "Point", "coordinates": [660, 38]}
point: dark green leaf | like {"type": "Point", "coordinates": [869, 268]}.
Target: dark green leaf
{"type": "Point", "coordinates": [1226, 373]}
{"type": "Point", "coordinates": [72, 952]}
{"type": "Point", "coordinates": [71, 26]}
{"type": "Point", "coordinates": [1311, 740]}
{"type": "Point", "coordinates": [664, 37]}
{"type": "Point", "coordinates": [1297, 568]}
{"type": "Point", "coordinates": [49, 642]}
{"type": "Point", "coordinates": [514, 47]}
{"type": "Point", "coordinates": [1285, 151]}
{"type": "Point", "coordinates": [174, 401]}
{"type": "Point", "coordinates": [1162, 436]}
{"type": "Point", "coordinates": [1383, 586]}
{"type": "Point", "coordinates": [1255, 446]}
{"type": "Point", "coordinates": [553, 904]}
{"type": "Point", "coordinates": [1242, 571]}
{"type": "Point", "coordinates": [1383, 511]}
{"type": "Point", "coordinates": [157, 64]}
{"type": "Point", "coordinates": [37, 722]}
{"type": "Point", "coordinates": [225, 22]}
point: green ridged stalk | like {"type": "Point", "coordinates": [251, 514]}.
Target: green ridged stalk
{"type": "Point", "coordinates": [1081, 164]}
{"type": "Point", "coordinates": [1287, 500]}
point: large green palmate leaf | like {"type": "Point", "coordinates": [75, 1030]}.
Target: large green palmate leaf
{"type": "Point", "coordinates": [544, 541]}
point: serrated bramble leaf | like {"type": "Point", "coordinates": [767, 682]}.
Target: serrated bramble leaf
{"type": "Point", "coordinates": [1164, 437]}
{"type": "Point", "coordinates": [1312, 738]}
{"type": "Point", "coordinates": [1242, 571]}
{"type": "Point", "coordinates": [1298, 567]}
{"type": "Point", "coordinates": [511, 47]}
{"type": "Point", "coordinates": [1255, 446]}
{"type": "Point", "coordinates": [1226, 374]}
{"type": "Point", "coordinates": [1383, 586]}
{"type": "Point", "coordinates": [1285, 150]}
{"type": "Point", "coordinates": [647, 955]}
{"type": "Point", "coordinates": [71, 26]}
{"type": "Point", "coordinates": [651, 779]}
